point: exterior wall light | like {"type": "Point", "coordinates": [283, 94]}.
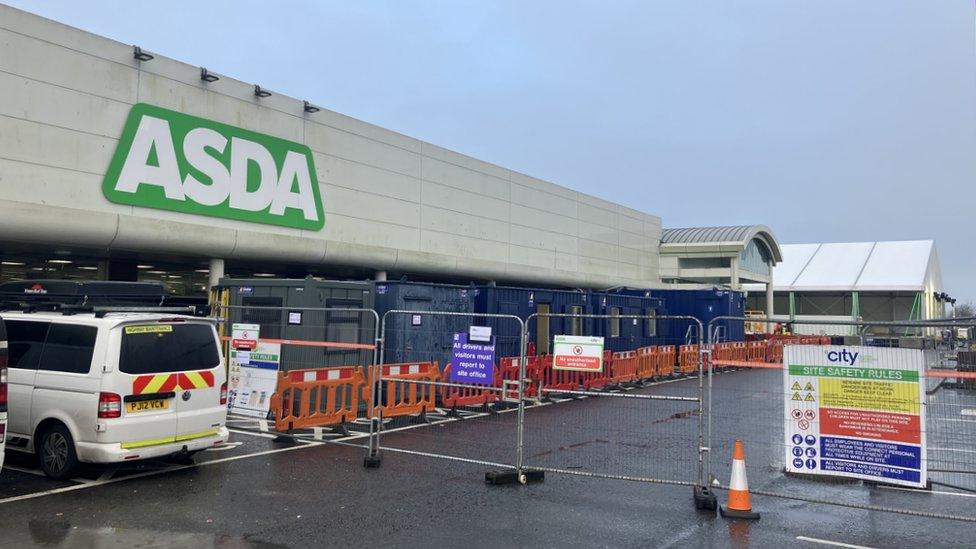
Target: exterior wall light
{"type": "Point", "coordinates": [207, 76]}
{"type": "Point", "coordinates": [261, 93]}
{"type": "Point", "coordinates": [140, 55]}
{"type": "Point", "coordinates": [310, 107]}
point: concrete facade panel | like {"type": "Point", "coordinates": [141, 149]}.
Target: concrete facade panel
{"type": "Point", "coordinates": [53, 146]}
{"type": "Point", "coordinates": [55, 64]}
{"type": "Point", "coordinates": [366, 179]}
{"type": "Point", "coordinates": [452, 175]}
{"type": "Point", "coordinates": [449, 221]}
{"type": "Point", "coordinates": [58, 106]}
{"type": "Point", "coordinates": [391, 201]}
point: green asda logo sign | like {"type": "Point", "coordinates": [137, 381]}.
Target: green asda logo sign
{"type": "Point", "coordinates": [172, 161]}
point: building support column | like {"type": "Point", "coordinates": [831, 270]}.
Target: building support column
{"type": "Point", "coordinates": [770, 302]}
{"type": "Point", "coordinates": [216, 273]}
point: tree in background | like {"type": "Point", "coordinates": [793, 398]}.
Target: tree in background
{"type": "Point", "coordinates": [966, 309]}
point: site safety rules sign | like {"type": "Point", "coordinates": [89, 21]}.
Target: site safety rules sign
{"type": "Point", "coordinates": [578, 353]}
{"type": "Point", "coordinates": [855, 412]}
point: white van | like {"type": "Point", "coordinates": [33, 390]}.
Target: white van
{"type": "Point", "coordinates": [113, 387]}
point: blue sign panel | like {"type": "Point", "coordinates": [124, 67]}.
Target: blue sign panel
{"type": "Point", "coordinates": [472, 362]}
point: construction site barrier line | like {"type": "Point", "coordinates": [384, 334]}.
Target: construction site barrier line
{"type": "Point", "coordinates": [445, 384]}
{"type": "Point", "coordinates": [302, 343]}
{"type": "Point", "coordinates": [619, 395]}
{"type": "Point", "coordinates": [948, 374]}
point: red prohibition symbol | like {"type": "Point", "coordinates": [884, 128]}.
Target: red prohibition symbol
{"type": "Point", "coordinates": [796, 413]}
{"type": "Point", "coordinates": [577, 350]}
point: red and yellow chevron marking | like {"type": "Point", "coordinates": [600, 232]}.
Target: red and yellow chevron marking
{"type": "Point", "coordinates": [162, 383]}
{"type": "Point", "coordinates": [196, 380]}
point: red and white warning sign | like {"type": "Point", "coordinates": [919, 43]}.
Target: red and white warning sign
{"type": "Point", "coordinates": [578, 353]}
{"type": "Point", "coordinates": [245, 336]}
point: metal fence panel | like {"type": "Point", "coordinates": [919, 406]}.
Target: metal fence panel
{"type": "Point", "coordinates": [750, 398]}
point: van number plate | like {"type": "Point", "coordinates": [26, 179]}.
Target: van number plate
{"type": "Point", "coordinates": [147, 405]}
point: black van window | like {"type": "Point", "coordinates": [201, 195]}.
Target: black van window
{"type": "Point", "coordinates": [161, 348]}
{"type": "Point", "coordinates": [25, 342]}
{"type": "Point", "coordinates": [68, 348]}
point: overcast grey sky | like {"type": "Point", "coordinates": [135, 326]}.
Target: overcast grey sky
{"type": "Point", "coordinates": [828, 121]}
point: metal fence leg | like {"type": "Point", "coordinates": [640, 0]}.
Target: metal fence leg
{"type": "Point", "coordinates": [705, 499]}
{"type": "Point", "coordinates": [519, 475]}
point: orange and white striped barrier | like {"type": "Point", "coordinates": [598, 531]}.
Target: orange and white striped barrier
{"type": "Point", "coordinates": [739, 505]}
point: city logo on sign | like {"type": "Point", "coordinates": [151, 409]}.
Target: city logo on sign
{"type": "Point", "coordinates": [844, 356]}
{"type": "Point", "coordinates": [173, 161]}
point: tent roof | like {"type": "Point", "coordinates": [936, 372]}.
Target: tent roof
{"type": "Point", "coordinates": [855, 266]}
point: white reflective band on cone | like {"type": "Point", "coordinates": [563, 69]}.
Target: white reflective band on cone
{"type": "Point", "coordinates": [739, 481]}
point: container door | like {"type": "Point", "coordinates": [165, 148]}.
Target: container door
{"type": "Point", "coordinates": [542, 337]}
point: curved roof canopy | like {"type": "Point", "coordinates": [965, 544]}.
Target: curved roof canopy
{"type": "Point", "coordinates": [720, 238]}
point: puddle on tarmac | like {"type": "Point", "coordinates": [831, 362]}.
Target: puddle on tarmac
{"type": "Point", "coordinates": [54, 533]}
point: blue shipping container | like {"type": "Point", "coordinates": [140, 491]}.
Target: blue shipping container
{"type": "Point", "coordinates": [704, 305]}
{"type": "Point", "coordinates": [420, 337]}
{"type": "Point", "coordinates": [523, 302]}
{"type": "Point", "coordinates": [627, 334]}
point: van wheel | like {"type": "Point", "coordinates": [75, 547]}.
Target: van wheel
{"type": "Point", "coordinates": [56, 452]}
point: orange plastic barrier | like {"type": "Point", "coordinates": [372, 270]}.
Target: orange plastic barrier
{"type": "Point", "coordinates": [400, 397]}
{"type": "Point", "coordinates": [740, 351]}
{"type": "Point", "coordinates": [456, 397]}
{"type": "Point", "coordinates": [565, 380]}
{"type": "Point", "coordinates": [647, 358]}
{"type": "Point", "coordinates": [688, 359]}
{"type": "Point", "coordinates": [599, 380]}
{"type": "Point", "coordinates": [666, 360]}
{"type": "Point", "coordinates": [317, 398]}
{"type": "Point", "coordinates": [508, 370]}
{"type": "Point", "coordinates": [623, 367]}
{"type": "Point", "coordinates": [756, 351]}
{"type": "Point", "coordinates": [774, 350]}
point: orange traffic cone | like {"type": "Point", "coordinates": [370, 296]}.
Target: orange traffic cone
{"type": "Point", "coordinates": [740, 506]}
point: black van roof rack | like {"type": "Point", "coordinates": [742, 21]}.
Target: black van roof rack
{"type": "Point", "coordinates": [86, 296]}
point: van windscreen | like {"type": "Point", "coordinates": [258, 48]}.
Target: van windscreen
{"type": "Point", "coordinates": [161, 348]}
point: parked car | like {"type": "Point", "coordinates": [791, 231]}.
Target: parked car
{"type": "Point", "coordinates": [113, 387]}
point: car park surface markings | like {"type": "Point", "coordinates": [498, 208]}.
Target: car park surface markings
{"type": "Point", "coordinates": [156, 472]}
{"type": "Point", "coordinates": [920, 491]}
{"type": "Point", "coordinates": [831, 543]}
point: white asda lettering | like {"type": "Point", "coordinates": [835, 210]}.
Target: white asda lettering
{"type": "Point", "coordinates": [275, 190]}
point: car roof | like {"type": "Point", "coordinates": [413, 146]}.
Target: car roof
{"type": "Point", "coordinates": [108, 319]}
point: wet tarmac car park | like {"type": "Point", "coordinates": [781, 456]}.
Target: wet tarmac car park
{"type": "Point", "coordinates": [259, 491]}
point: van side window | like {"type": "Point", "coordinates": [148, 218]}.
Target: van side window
{"type": "Point", "coordinates": [69, 348]}
{"type": "Point", "coordinates": [24, 343]}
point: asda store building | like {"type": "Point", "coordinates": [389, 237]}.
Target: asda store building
{"type": "Point", "coordinates": [120, 164]}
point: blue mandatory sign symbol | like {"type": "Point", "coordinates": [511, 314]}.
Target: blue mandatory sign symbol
{"type": "Point", "coordinates": [811, 452]}
{"type": "Point", "coordinates": [798, 463]}
{"type": "Point", "coordinates": [811, 464]}
{"type": "Point", "coordinates": [811, 440]}
{"type": "Point", "coordinates": [797, 439]}
{"type": "Point", "coordinates": [797, 451]}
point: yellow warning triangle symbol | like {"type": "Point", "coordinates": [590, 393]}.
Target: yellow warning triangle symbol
{"type": "Point", "coordinates": [796, 386]}
{"type": "Point", "coordinates": [809, 397]}
{"type": "Point", "coordinates": [809, 387]}
{"type": "Point", "coordinates": [796, 396]}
